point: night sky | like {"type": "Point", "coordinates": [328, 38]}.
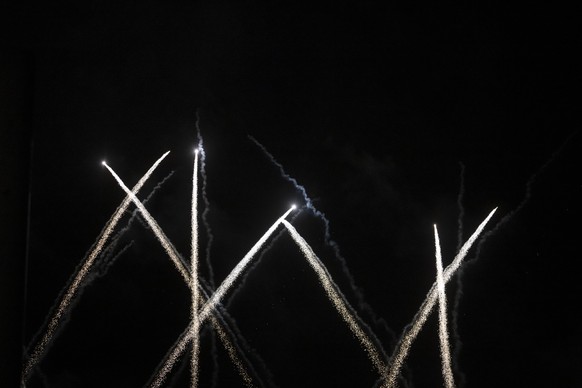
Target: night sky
{"type": "Point", "coordinates": [392, 118]}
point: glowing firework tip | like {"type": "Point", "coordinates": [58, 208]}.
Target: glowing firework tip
{"type": "Point", "coordinates": [293, 207]}
{"type": "Point", "coordinates": [103, 162]}
{"type": "Point", "coordinates": [196, 150]}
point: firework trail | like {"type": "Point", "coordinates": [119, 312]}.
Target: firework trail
{"type": "Point", "coordinates": [194, 276]}
{"type": "Point", "coordinates": [178, 262]}
{"type": "Point", "coordinates": [337, 299]}
{"type": "Point", "coordinates": [64, 303]}
{"type": "Point", "coordinates": [209, 236]}
{"type": "Point", "coordinates": [361, 303]}
{"type": "Point", "coordinates": [231, 349]}
{"type": "Point", "coordinates": [459, 289]}
{"type": "Point", "coordinates": [108, 258]}
{"type": "Point", "coordinates": [217, 320]}
{"type": "Point", "coordinates": [204, 196]}
{"type": "Point", "coordinates": [234, 274]}
{"type": "Point", "coordinates": [443, 334]}
{"type": "Point", "coordinates": [527, 195]}
{"type": "Point", "coordinates": [212, 302]}
{"type": "Point", "coordinates": [239, 345]}
{"type": "Point", "coordinates": [412, 330]}
{"type": "Point", "coordinates": [170, 250]}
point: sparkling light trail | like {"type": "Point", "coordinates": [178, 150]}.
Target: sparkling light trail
{"type": "Point", "coordinates": [336, 298]}
{"type": "Point", "coordinates": [212, 302]}
{"type": "Point", "coordinates": [194, 277]}
{"type": "Point", "coordinates": [63, 305]}
{"type": "Point", "coordinates": [170, 250]}
{"type": "Point", "coordinates": [443, 332]}
{"type": "Point", "coordinates": [412, 330]}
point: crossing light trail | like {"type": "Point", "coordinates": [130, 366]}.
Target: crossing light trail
{"type": "Point", "coordinates": [170, 250]}
{"type": "Point", "coordinates": [71, 291]}
{"type": "Point", "coordinates": [174, 256]}
{"type": "Point", "coordinates": [336, 298]}
{"type": "Point", "coordinates": [213, 301]}
{"type": "Point", "coordinates": [443, 332]}
{"type": "Point", "coordinates": [209, 307]}
{"type": "Point", "coordinates": [412, 330]}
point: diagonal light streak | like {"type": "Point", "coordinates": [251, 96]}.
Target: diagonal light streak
{"type": "Point", "coordinates": [412, 330]}
{"type": "Point", "coordinates": [213, 301]}
{"type": "Point", "coordinates": [210, 305]}
{"type": "Point", "coordinates": [336, 298]}
{"type": "Point", "coordinates": [65, 302]}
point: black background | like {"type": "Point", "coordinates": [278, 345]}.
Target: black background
{"type": "Point", "coordinates": [372, 108]}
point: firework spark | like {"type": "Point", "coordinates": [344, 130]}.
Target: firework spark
{"type": "Point", "coordinates": [71, 291]}
{"type": "Point", "coordinates": [412, 330]}
{"type": "Point", "coordinates": [194, 277]}
{"type": "Point", "coordinates": [336, 298]}
{"type": "Point", "coordinates": [443, 333]}
{"type": "Point", "coordinates": [213, 301]}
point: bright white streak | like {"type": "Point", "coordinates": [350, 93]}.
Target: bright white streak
{"type": "Point", "coordinates": [231, 350]}
{"type": "Point", "coordinates": [443, 333]}
{"type": "Point", "coordinates": [170, 250]}
{"type": "Point", "coordinates": [234, 274]}
{"type": "Point", "coordinates": [155, 228]}
{"type": "Point", "coordinates": [412, 330]}
{"type": "Point", "coordinates": [194, 277]}
{"type": "Point", "coordinates": [335, 298]}
{"type": "Point", "coordinates": [70, 293]}
{"type": "Point", "coordinates": [216, 298]}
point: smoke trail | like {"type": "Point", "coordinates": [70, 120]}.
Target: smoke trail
{"type": "Point", "coordinates": [213, 301]}
{"type": "Point", "coordinates": [66, 299]}
{"type": "Point", "coordinates": [527, 195]}
{"type": "Point", "coordinates": [443, 334]}
{"type": "Point", "coordinates": [194, 276]}
{"type": "Point", "coordinates": [459, 289]}
{"type": "Point", "coordinates": [170, 250]}
{"type": "Point", "coordinates": [209, 237]}
{"type": "Point", "coordinates": [337, 299]}
{"type": "Point", "coordinates": [208, 229]}
{"type": "Point", "coordinates": [412, 330]}
{"type": "Point", "coordinates": [361, 303]}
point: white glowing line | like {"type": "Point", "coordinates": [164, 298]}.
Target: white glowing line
{"type": "Point", "coordinates": [214, 300]}
{"type": "Point", "coordinates": [234, 274]}
{"type": "Point", "coordinates": [335, 298]}
{"type": "Point", "coordinates": [421, 316]}
{"type": "Point", "coordinates": [443, 333]}
{"type": "Point", "coordinates": [194, 278]}
{"type": "Point", "coordinates": [231, 350]}
{"type": "Point", "coordinates": [72, 290]}
{"type": "Point", "coordinates": [155, 228]}
{"type": "Point", "coordinates": [206, 309]}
